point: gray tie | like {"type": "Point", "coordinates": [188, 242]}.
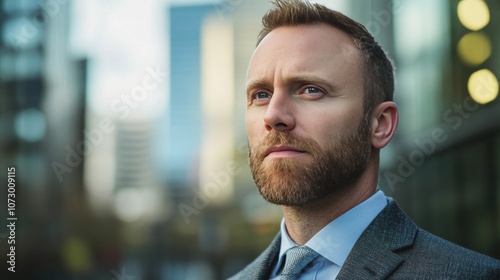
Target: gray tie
{"type": "Point", "coordinates": [296, 259]}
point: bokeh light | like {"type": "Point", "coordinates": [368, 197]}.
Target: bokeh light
{"type": "Point", "coordinates": [483, 86]}
{"type": "Point", "coordinates": [473, 14]}
{"type": "Point", "coordinates": [76, 255]}
{"type": "Point", "coordinates": [30, 125]}
{"type": "Point", "coordinates": [129, 204]}
{"type": "Point", "coordinates": [474, 48]}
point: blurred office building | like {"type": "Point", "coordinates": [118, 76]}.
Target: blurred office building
{"type": "Point", "coordinates": [444, 166]}
{"type": "Point", "coordinates": [42, 91]}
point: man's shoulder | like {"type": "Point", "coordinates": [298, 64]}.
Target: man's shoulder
{"type": "Point", "coordinates": [449, 259]}
{"type": "Point", "coordinates": [417, 253]}
{"type": "Point", "coordinates": [430, 255]}
{"type": "Point", "coordinates": [439, 247]}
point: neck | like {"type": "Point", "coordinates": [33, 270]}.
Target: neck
{"type": "Point", "coordinates": [303, 222]}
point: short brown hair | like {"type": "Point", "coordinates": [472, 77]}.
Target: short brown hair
{"type": "Point", "coordinates": [378, 68]}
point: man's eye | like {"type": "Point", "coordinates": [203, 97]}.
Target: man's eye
{"type": "Point", "coordinates": [312, 90]}
{"type": "Point", "coordinates": [261, 95]}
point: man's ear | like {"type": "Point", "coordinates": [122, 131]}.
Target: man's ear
{"type": "Point", "coordinates": [384, 123]}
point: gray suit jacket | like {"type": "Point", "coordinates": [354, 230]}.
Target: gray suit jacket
{"type": "Point", "coordinates": [393, 247]}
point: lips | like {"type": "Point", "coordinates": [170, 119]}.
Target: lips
{"type": "Point", "coordinates": [282, 149]}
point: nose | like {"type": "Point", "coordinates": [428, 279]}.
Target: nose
{"type": "Point", "coordinates": [280, 113]}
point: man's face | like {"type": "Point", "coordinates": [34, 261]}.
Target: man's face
{"type": "Point", "coordinates": [304, 117]}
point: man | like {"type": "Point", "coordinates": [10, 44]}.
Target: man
{"type": "Point", "coordinates": [319, 92]}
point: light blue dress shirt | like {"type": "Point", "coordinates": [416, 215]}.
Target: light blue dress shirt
{"type": "Point", "coordinates": [335, 241]}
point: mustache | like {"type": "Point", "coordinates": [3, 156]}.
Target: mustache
{"type": "Point", "coordinates": [275, 138]}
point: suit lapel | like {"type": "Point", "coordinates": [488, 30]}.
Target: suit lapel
{"type": "Point", "coordinates": [261, 267]}
{"type": "Point", "coordinates": [374, 254]}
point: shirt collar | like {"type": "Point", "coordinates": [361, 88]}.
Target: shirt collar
{"type": "Point", "coordinates": [335, 241]}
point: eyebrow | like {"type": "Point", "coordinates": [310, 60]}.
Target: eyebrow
{"type": "Point", "coordinates": [299, 79]}
{"type": "Point", "coordinates": [307, 79]}
{"type": "Point", "coordinates": [259, 83]}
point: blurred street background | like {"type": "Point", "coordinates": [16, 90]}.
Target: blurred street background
{"type": "Point", "coordinates": [124, 121]}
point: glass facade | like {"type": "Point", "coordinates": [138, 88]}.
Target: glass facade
{"type": "Point", "coordinates": [443, 166]}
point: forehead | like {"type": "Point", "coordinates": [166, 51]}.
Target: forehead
{"type": "Point", "coordinates": [309, 49]}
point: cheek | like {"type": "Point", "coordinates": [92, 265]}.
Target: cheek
{"type": "Point", "coordinates": [253, 128]}
{"type": "Point", "coordinates": [332, 128]}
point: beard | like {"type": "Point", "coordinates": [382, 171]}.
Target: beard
{"type": "Point", "coordinates": [298, 182]}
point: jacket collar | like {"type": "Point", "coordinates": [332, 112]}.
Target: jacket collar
{"type": "Point", "coordinates": [261, 267]}
{"type": "Point", "coordinates": [374, 254]}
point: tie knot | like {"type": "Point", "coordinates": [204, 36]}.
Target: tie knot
{"type": "Point", "coordinates": [296, 259]}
